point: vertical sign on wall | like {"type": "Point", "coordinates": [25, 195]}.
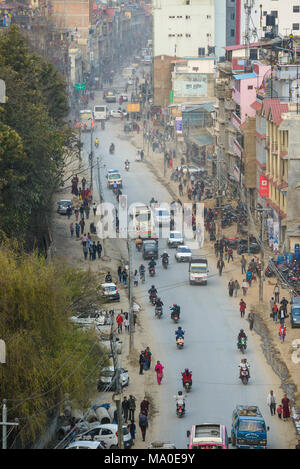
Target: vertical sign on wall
{"type": "Point", "coordinates": [263, 186]}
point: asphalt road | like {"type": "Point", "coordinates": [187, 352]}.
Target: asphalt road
{"type": "Point", "coordinates": [208, 316]}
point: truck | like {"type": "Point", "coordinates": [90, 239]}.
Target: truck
{"type": "Point", "coordinates": [249, 430]}
{"type": "Point", "coordinates": [198, 270]}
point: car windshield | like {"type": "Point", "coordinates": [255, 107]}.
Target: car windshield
{"type": "Point", "coordinates": [175, 235]}
{"type": "Point", "coordinates": [296, 311]}
{"type": "Point", "coordinates": [184, 250]}
{"type": "Point", "coordinates": [86, 115]}
{"type": "Point", "coordinates": [143, 216]}
{"type": "Point", "coordinates": [163, 213]}
{"type": "Point", "coordinates": [251, 426]}
{"type": "Point", "coordinates": [65, 202]}
{"type": "Point", "coordinates": [114, 176]}
{"type": "Point", "coordinates": [99, 108]}
{"type": "Point", "coordinates": [198, 269]}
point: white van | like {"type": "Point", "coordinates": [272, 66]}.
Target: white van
{"type": "Point", "coordinates": [100, 112]}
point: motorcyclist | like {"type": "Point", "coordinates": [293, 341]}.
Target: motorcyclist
{"type": "Point", "coordinates": [138, 240]}
{"type": "Point", "coordinates": [175, 310]}
{"type": "Point", "coordinates": [187, 376]}
{"type": "Point", "coordinates": [165, 255]}
{"type": "Point", "coordinates": [180, 400]}
{"type": "Point", "coordinates": [158, 304]}
{"type": "Point", "coordinates": [112, 147]}
{"type": "Point", "coordinates": [127, 163]}
{"type": "Point", "coordinates": [152, 263]}
{"type": "Point", "coordinates": [142, 270]}
{"type": "Point", "coordinates": [241, 335]}
{"type": "Point", "coordinates": [115, 185]}
{"type": "Point", "coordinates": [153, 201]}
{"type": "Point", "coordinates": [179, 333]}
{"type": "Point", "coordinates": [244, 365]}
{"type": "Point", "coordinates": [152, 292]}
{"type": "Point", "coordinates": [108, 278]}
{"type": "Point", "coordinates": [96, 141]}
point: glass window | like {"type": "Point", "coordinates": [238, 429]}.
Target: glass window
{"type": "Point", "coordinates": [296, 26]}
{"type": "Point", "coordinates": [296, 9]}
{"type": "Point", "coordinates": [251, 426]}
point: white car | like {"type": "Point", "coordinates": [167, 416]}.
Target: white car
{"type": "Point", "coordinates": [117, 113]}
{"type": "Point", "coordinates": [87, 445]}
{"type": "Point", "coordinates": [175, 239]}
{"type": "Point", "coordinates": [91, 318]}
{"type": "Point", "coordinates": [183, 254]}
{"type": "Point", "coordinates": [108, 433]}
{"type": "Point", "coordinates": [192, 169]}
{"type": "Point", "coordinates": [107, 375]}
{"type": "Point", "coordinates": [109, 292]}
{"type": "Point", "coordinates": [130, 82]}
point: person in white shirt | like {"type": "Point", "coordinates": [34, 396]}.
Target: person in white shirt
{"type": "Point", "coordinates": [271, 402]}
{"type": "Point", "coordinates": [180, 399]}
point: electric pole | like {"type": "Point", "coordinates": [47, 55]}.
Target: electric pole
{"type": "Point", "coordinates": [117, 394]}
{"type": "Point", "coordinates": [130, 295]}
{"type": "Point", "coordinates": [91, 157]}
{"type": "Point", "coordinates": [5, 424]}
{"type": "Point", "coordinates": [263, 211]}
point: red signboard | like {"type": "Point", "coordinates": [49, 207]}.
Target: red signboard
{"type": "Point", "coordinates": [263, 186]}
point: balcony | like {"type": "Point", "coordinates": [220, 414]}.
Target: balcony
{"type": "Point", "coordinates": [237, 148]}
{"type": "Point", "coordinates": [274, 147]}
{"type": "Point", "coordinates": [236, 121]}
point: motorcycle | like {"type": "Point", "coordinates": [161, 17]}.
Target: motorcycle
{"type": "Point", "coordinates": [244, 376]}
{"type": "Point", "coordinates": [242, 344]}
{"type": "Point", "coordinates": [179, 342]}
{"type": "Point", "coordinates": [151, 271]}
{"type": "Point", "coordinates": [111, 149]}
{"type": "Point", "coordinates": [96, 144]}
{"type": "Point", "coordinates": [153, 298]}
{"type": "Point", "coordinates": [139, 246]}
{"type": "Point", "coordinates": [187, 386]}
{"type": "Point", "coordinates": [165, 262]}
{"type": "Point", "coordinates": [158, 311]}
{"type": "Point", "coordinates": [180, 410]}
{"type": "Point", "coordinates": [127, 166]}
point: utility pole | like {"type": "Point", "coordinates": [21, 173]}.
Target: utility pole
{"type": "Point", "coordinates": [248, 210]}
{"type": "Point", "coordinates": [219, 195]}
{"type": "Point", "coordinates": [263, 211]}
{"type": "Point", "coordinates": [117, 394]}
{"type": "Point", "coordinates": [5, 424]}
{"type": "Point", "coordinates": [91, 157]}
{"type": "Point", "coordinates": [130, 295]}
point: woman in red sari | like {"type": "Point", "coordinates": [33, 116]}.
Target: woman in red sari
{"type": "Point", "coordinates": [159, 371]}
{"type": "Point", "coordinates": [285, 407]}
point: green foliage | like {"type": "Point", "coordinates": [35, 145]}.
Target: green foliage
{"type": "Point", "coordinates": [33, 135]}
{"type": "Point", "coordinates": [47, 356]}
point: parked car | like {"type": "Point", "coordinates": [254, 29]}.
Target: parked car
{"type": "Point", "coordinates": [87, 445]}
{"type": "Point", "coordinates": [175, 239]}
{"type": "Point", "coordinates": [108, 433]}
{"type": "Point", "coordinates": [62, 206]}
{"type": "Point", "coordinates": [183, 254]}
{"type": "Point", "coordinates": [295, 300]}
{"type": "Point", "coordinates": [107, 376]}
{"type": "Point", "coordinates": [295, 315]}
{"type": "Point", "coordinates": [109, 292]}
{"type": "Point", "coordinates": [90, 318]}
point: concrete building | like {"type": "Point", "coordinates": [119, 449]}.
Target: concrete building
{"type": "Point", "coordinates": [286, 13]}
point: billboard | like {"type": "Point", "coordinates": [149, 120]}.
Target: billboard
{"type": "Point", "coordinates": [187, 85]}
{"type": "Point", "coordinates": [133, 107]}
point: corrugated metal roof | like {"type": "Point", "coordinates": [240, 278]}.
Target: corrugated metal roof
{"type": "Point", "coordinates": [244, 76]}
{"type": "Point", "coordinates": [203, 139]}
{"type": "Point", "coordinates": [207, 107]}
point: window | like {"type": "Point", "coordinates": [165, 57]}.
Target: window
{"type": "Point", "coordinates": [232, 32]}
{"type": "Point", "coordinates": [201, 51]}
{"type": "Point", "coordinates": [296, 26]}
{"type": "Point", "coordinates": [187, 17]}
{"type": "Point", "coordinates": [187, 35]}
{"type": "Point", "coordinates": [274, 13]}
{"type": "Point", "coordinates": [208, 17]}
{"type": "Point", "coordinates": [232, 16]}
{"type": "Point", "coordinates": [106, 431]}
{"type": "Point", "coordinates": [250, 87]}
{"type": "Point", "coordinates": [187, 2]}
{"type": "Point", "coordinates": [296, 9]}
{"type": "Point", "coordinates": [171, 17]}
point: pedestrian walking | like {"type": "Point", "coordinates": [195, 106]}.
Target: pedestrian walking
{"type": "Point", "coordinates": [216, 246]}
{"type": "Point", "coordinates": [279, 411]}
{"type": "Point", "coordinates": [251, 320]}
{"type": "Point", "coordinates": [131, 407]}
{"type": "Point", "coordinates": [276, 293]}
{"type": "Point", "coordinates": [120, 273]}
{"type": "Point", "coordinates": [126, 324]}
{"type": "Point", "coordinates": [272, 302]}
{"type": "Point", "coordinates": [125, 408]}
{"type": "Point", "coordinates": [87, 211]}
{"type": "Point", "coordinates": [143, 424]}
{"type": "Point", "coordinates": [69, 212]}
{"type": "Point", "coordinates": [77, 230]}
{"type": "Point", "coordinates": [82, 225]}
{"type": "Point", "coordinates": [243, 264]}
{"type": "Point", "coordinates": [147, 356]}
{"type": "Point", "coordinates": [271, 402]}
{"type": "Point", "coordinates": [99, 249]}
{"type": "Point", "coordinates": [76, 211]}
{"type": "Point", "coordinates": [81, 211]}
{"type": "Point", "coordinates": [282, 332]}
{"type": "Point", "coordinates": [72, 229]}
{"type": "Point", "coordinates": [245, 287]}
{"type": "Point", "coordinates": [236, 287]}
{"type": "Point", "coordinates": [141, 362]}
{"type": "Point", "coordinates": [230, 287]}
{"type": "Point", "coordinates": [242, 308]}
{"type": "Point", "coordinates": [220, 265]}
{"type": "Point", "coordinates": [230, 255]}
{"type": "Point", "coordinates": [249, 277]}
{"type": "Point", "coordinates": [145, 406]}
{"type": "Point", "coordinates": [124, 276]}
{"type": "Point", "coordinates": [94, 247]}
{"type": "Point", "coordinates": [119, 320]}
{"type": "Point", "coordinates": [281, 315]}
{"type": "Point", "coordinates": [275, 312]}
{"type": "Point", "coordinates": [286, 407]}
{"type": "Point", "coordinates": [132, 429]}
{"type": "Point", "coordinates": [284, 302]}
{"type": "Point", "coordinates": [94, 208]}
{"type": "Point", "coordinates": [85, 252]}
{"type": "Point", "coordinates": [83, 182]}
{"type": "Point", "coordinates": [159, 372]}
{"type": "Point", "coordinates": [91, 252]}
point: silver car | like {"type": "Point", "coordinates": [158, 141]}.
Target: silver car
{"type": "Point", "coordinates": [62, 206]}
{"type": "Point", "coordinates": [183, 254]}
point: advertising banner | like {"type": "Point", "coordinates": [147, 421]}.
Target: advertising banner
{"type": "Point", "coordinates": [179, 125]}
{"type": "Point", "coordinates": [275, 236]}
{"type": "Point", "coordinates": [263, 186]}
{"type": "Point", "coordinates": [190, 85]}
{"type": "Point", "coordinates": [270, 232]}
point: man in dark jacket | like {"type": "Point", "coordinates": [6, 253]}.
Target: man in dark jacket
{"type": "Point", "coordinates": [141, 362]}
{"type": "Point", "coordinates": [220, 265]}
{"type": "Point", "coordinates": [125, 408]}
{"type": "Point", "coordinates": [143, 423]}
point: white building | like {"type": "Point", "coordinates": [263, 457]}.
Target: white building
{"type": "Point", "coordinates": [185, 28]}
{"type": "Point", "coordinates": [286, 12]}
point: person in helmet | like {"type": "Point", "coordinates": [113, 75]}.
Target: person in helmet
{"type": "Point", "coordinates": [244, 365]}
{"type": "Point", "coordinates": [242, 335]}
{"type": "Point", "coordinates": [165, 254]}
{"type": "Point", "coordinates": [175, 310]}
{"type": "Point", "coordinates": [152, 291]}
{"type": "Point", "coordinates": [138, 241]}
{"type": "Point", "coordinates": [179, 333]}
{"type": "Point", "coordinates": [187, 376]}
{"type": "Point", "coordinates": [180, 400]}
{"type": "Point", "coordinates": [152, 263]}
